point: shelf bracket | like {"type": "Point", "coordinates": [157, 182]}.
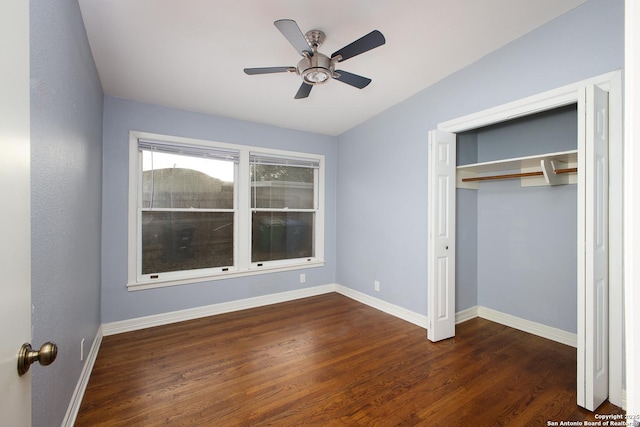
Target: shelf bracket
{"type": "Point", "coordinates": [549, 168]}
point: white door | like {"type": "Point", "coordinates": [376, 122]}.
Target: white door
{"type": "Point", "coordinates": [442, 235]}
{"type": "Point", "coordinates": [15, 244]}
{"type": "Point", "coordinates": [593, 256]}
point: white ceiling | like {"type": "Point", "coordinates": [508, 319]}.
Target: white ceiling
{"type": "Point", "coordinates": [190, 54]}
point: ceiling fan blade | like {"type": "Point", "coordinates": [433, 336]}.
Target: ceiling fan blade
{"type": "Point", "coordinates": [292, 33]}
{"type": "Point", "coordinates": [304, 91]}
{"type": "Point", "coordinates": [363, 44]}
{"type": "Point", "coordinates": [268, 70]}
{"type": "Point", "coordinates": [352, 79]}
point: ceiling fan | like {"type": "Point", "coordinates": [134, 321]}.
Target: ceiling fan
{"type": "Point", "coordinates": [316, 68]}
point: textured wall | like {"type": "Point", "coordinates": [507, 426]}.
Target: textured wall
{"type": "Point", "coordinates": [387, 241]}
{"type": "Point", "coordinates": [122, 116]}
{"type": "Point", "coordinates": [66, 180]}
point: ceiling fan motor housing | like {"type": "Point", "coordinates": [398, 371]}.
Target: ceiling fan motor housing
{"type": "Point", "coordinates": [316, 69]}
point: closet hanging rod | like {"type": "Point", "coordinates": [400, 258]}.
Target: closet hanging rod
{"type": "Point", "coordinates": [517, 175]}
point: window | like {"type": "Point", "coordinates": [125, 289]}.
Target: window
{"type": "Point", "coordinates": [187, 209]}
{"type": "Point", "coordinates": [200, 210]}
{"type": "Point", "coordinates": [283, 206]}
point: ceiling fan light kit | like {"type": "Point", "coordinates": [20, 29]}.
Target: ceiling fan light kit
{"type": "Point", "coordinates": [315, 68]}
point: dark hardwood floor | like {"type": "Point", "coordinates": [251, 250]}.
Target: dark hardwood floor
{"type": "Point", "coordinates": [329, 360]}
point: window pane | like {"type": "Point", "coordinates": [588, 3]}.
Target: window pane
{"type": "Point", "coordinates": [174, 241]}
{"type": "Point", "coordinates": [282, 187]}
{"type": "Point", "coordinates": [282, 235]}
{"type": "Point", "coordinates": [175, 181]}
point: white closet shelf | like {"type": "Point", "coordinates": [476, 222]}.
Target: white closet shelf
{"type": "Point", "coordinates": [519, 162]}
{"type": "Point", "coordinates": [529, 165]}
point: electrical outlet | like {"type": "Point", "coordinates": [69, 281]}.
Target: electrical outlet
{"type": "Point", "coordinates": [82, 350]}
{"type": "Point", "coordinates": [303, 278]}
{"type": "Point", "coordinates": [376, 285]}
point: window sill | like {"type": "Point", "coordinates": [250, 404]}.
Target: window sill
{"type": "Point", "coordinates": [161, 283]}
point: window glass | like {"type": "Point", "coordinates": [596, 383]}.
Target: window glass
{"type": "Point", "coordinates": [187, 218]}
{"type": "Point", "coordinates": [282, 235]}
{"type": "Point", "coordinates": [279, 186]}
{"type": "Point", "coordinates": [283, 201]}
{"type": "Point", "coordinates": [177, 181]}
{"type": "Point", "coordinates": [175, 241]}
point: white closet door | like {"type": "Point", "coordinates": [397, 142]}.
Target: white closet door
{"type": "Point", "coordinates": [593, 274]}
{"type": "Point", "coordinates": [15, 214]}
{"type": "Point", "coordinates": [442, 238]}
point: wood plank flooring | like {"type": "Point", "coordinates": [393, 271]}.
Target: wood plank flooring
{"type": "Point", "coordinates": [330, 361]}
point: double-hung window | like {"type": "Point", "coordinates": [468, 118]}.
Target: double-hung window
{"type": "Point", "coordinates": [284, 202]}
{"type": "Point", "coordinates": [200, 210]}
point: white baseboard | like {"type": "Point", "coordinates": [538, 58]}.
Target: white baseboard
{"type": "Point", "coordinates": [119, 327]}
{"type": "Point", "coordinates": [228, 307]}
{"type": "Point", "coordinates": [78, 394]}
{"type": "Point", "coordinates": [394, 310]}
{"type": "Point", "coordinates": [397, 311]}
{"type": "Point", "coordinates": [210, 310]}
{"type": "Point", "coordinates": [467, 314]}
{"type": "Point", "coordinates": [528, 326]}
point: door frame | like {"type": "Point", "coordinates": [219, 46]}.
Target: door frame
{"type": "Point", "coordinates": [569, 94]}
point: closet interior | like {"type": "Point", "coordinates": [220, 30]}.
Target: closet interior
{"type": "Point", "coordinates": [516, 218]}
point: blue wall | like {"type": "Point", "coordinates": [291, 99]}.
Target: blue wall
{"type": "Point", "coordinates": [382, 173]}
{"type": "Point", "coordinates": [122, 116]}
{"type": "Point", "coordinates": [66, 182]}
{"type": "Point", "coordinates": [527, 236]}
{"type": "Point", "coordinates": [527, 252]}
{"type": "Point", "coordinates": [376, 218]}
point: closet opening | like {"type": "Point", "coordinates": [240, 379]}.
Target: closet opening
{"type": "Point", "coordinates": [516, 234]}
{"type": "Point", "coordinates": [524, 225]}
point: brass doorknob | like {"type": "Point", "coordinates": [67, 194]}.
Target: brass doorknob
{"type": "Point", "coordinates": [27, 356]}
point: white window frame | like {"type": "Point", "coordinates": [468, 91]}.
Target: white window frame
{"type": "Point", "coordinates": [315, 209]}
{"type": "Point", "coordinates": [242, 224]}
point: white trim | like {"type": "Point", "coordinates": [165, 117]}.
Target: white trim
{"type": "Point", "coordinates": [632, 205]}
{"type": "Point", "coordinates": [616, 241]}
{"type": "Point", "coordinates": [466, 314]}
{"type": "Point", "coordinates": [392, 309]}
{"type": "Point", "coordinates": [544, 331]}
{"type": "Point", "coordinates": [78, 394]}
{"type": "Point", "coordinates": [417, 319]}
{"type": "Point", "coordinates": [534, 328]}
{"type": "Point", "coordinates": [129, 325]}
{"type": "Point", "coordinates": [584, 378]}
{"type": "Point", "coordinates": [544, 101]}
{"type": "Point", "coordinates": [153, 284]}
